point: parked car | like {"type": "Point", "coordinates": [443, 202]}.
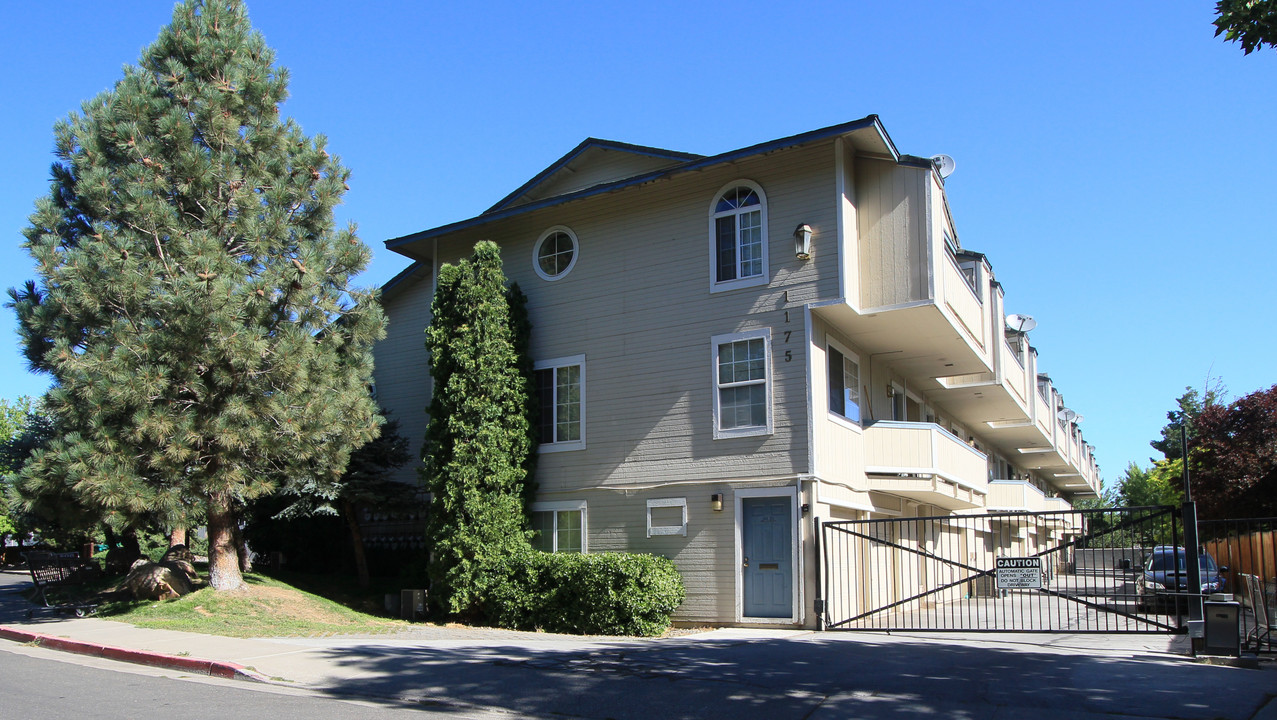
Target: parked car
{"type": "Point", "coordinates": [1165, 576]}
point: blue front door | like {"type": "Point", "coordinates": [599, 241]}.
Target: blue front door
{"type": "Point", "coordinates": [767, 556]}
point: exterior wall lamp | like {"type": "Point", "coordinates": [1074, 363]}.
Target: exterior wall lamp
{"type": "Point", "coordinates": [716, 502]}
{"type": "Point", "coordinates": [802, 242]}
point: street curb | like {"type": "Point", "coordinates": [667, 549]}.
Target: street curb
{"type": "Point", "coordinates": [213, 668]}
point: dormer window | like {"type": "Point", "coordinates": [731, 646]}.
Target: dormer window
{"type": "Point", "coordinates": [738, 237]}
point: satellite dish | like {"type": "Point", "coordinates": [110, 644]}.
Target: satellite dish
{"type": "Point", "coordinates": [1066, 415]}
{"type": "Point", "coordinates": [1021, 323]}
{"type": "Point", "coordinates": [944, 165]}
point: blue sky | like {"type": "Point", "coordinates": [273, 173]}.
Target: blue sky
{"type": "Point", "coordinates": [1114, 160]}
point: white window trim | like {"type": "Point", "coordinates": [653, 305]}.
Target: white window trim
{"type": "Point", "coordinates": [667, 529]}
{"type": "Point", "coordinates": [796, 557]}
{"type": "Point", "coordinates": [549, 447]}
{"type": "Point", "coordinates": [536, 252]}
{"type": "Point", "coordinates": [558, 506]}
{"type": "Point", "coordinates": [766, 335]}
{"type": "Point", "coordinates": [761, 279]}
{"type": "Point", "coordinates": [835, 417]}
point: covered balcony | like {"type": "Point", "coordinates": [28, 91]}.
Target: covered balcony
{"type": "Point", "coordinates": [1015, 496]}
{"type": "Point", "coordinates": [925, 463]}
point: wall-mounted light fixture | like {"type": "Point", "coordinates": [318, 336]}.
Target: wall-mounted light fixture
{"type": "Point", "coordinates": [802, 242]}
{"type": "Point", "coordinates": [716, 502]}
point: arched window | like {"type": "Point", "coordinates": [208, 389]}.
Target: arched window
{"type": "Point", "coordinates": [738, 236]}
{"type": "Point", "coordinates": [555, 253]}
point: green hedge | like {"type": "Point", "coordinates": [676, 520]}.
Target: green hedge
{"type": "Point", "coordinates": [596, 594]}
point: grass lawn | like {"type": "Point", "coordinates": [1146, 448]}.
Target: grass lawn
{"type": "Point", "coordinates": [265, 607]}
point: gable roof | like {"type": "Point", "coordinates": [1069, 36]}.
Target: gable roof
{"type": "Point", "coordinates": [869, 127]}
{"type": "Point", "coordinates": [633, 160]}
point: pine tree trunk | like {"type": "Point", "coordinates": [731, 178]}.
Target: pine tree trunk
{"type": "Point", "coordinates": [357, 539]}
{"type": "Point", "coordinates": [241, 550]}
{"type": "Point", "coordinates": [177, 536]}
{"type": "Point", "coordinates": [132, 548]}
{"type": "Point", "coordinates": [223, 550]}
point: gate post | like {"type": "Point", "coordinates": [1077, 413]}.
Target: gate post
{"type": "Point", "coordinates": [1195, 609]}
{"type": "Point", "coordinates": [819, 605]}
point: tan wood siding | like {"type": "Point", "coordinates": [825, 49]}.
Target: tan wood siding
{"type": "Point", "coordinates": [638, 306]}
{"type": "Point", "coordinates": [849, 266]}
{"type": "Point", "coordinates": [893, 233]}
{"type": "Point", "coordinates": [839, 449]}
{"type": "Point", "coordinates": [402, 372]}
{"type": "Point", "coordinates": [617, 522]}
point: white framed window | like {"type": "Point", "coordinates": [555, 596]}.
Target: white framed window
{"type": "Point", "coordinates": [742, 384]}
{"type": "Point", "coordinates": [738, 236]}
{"type": "Point", "coordinates": [555, 253]}
{"type": "Point", "coordinates": [559, 526]}
{"type": "Point", "coordinates": [844, 382]}
{"type": "Point", "coordinates": [667, 516]}
{"type": "Point", "coordinates": [560, 387]}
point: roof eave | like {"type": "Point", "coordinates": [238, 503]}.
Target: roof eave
{"type": "Point", "coordinates": [870, 124]}
{"type": "Point", "coordinates": [396, 284]}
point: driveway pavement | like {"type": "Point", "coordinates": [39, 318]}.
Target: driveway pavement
{"type": "Point", "coordinates": [734, 674]}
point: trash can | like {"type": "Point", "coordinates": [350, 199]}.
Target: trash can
{"type": "Point", "coordinates": [1223, 628]}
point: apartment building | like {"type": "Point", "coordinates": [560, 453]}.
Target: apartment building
{"type": "Point", "coordinates": [728, 347]}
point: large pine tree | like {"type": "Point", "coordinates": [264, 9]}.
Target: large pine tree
{"type": "Point", "coordinates": [194, 304]}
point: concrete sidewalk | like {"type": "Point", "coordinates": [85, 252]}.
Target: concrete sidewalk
{"type": "Point", "coordinates": [726, 673]}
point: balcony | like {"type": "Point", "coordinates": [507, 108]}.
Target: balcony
{"type": "Point", "coordinates": [1016, 496]}
{"type": "Point", "coordinates": [925, 463]}
{"type": "Point", "coordinates": [999, 400]}
{"type": "Point", "coordinates": [923, 313]}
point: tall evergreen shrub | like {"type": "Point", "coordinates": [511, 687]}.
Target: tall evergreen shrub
{"type": "Point", "coordinates": [478, 439]}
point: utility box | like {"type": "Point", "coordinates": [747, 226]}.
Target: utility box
{"type": "Point", "coordinates": [1223, 628]}
{"type": "Point", "coordinates": [412, 605]}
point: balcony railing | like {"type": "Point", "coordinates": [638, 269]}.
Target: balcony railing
{"type": "Point", "coordinates": [961, 299]}
{"type": "Point", "coordinates": [925, 462]}
{"type": "Point", "coordinates": [1016, 496]}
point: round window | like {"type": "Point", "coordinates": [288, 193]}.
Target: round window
{"type": "Point", "coordinates": [555, 253]}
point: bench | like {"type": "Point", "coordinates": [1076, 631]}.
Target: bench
{"type": "Point", "coordinates": [59, 570]}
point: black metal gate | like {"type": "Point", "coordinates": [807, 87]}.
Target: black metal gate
{"type": "Point", "coordinates": [1070, 571]}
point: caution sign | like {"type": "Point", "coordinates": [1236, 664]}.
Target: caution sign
{"type": "Point", "coordinates": [1019, 573]}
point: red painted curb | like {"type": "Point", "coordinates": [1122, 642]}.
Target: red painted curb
{"type": "Point", "coordinates": [214, 668]}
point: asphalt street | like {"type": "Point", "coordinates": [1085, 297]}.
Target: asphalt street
{"type": "Point", "coordinates": [38, 684]}
{"type": "Point", "coordinates": [728, 674]}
